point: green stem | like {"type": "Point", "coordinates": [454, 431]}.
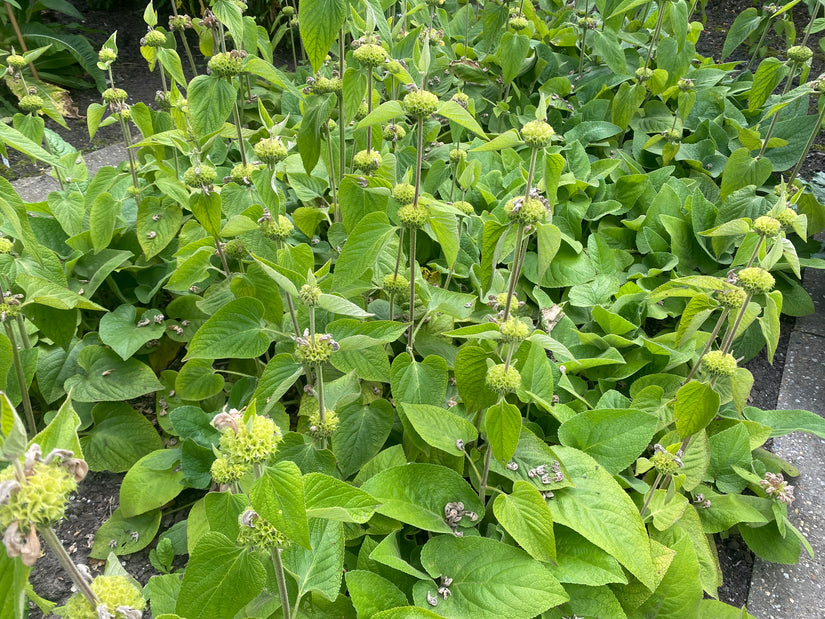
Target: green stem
{"type": "Point", "coordinates": [21, 380]}
{"type": "Point", "coordinates": [342, 120]}
{"type": "Point", "coordinates": [482, 485]}
{"type": "Point", "coordinates": [794, 67]}
{"type": "Point", "coordinates": [369, 107]}
{"type": "Point", "coordinates": [67, 564]}
{"type": "Point", "coordinates": [452, 266]}
{"type": "Point", "coordinates": [759, 45]}
{"type": "Point", "coordinates": [709, 343]}
{"type": "Point", "coordinates": [336, 215]}
{"type": "Point", "coordinates": [279, 576]}
{"type": "Point", "coordinates": [655, 38]}
{"type": "Point", "coordinates": [188, 53]}
{"type": "Point", "coordinates": [240, 131]}
{"type": "Point", "coordinates": [411, 332]}
{"type": "Point", "coordinates": [810, 143]}
{"type": "Point", "coordinates": [650, 495]}
{"type": "Point", "coordinates": [514, 274]}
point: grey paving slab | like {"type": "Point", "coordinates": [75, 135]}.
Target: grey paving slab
{"type": "Point", "coordinates": [814, 282]}
{"type": "Point", "coordinates": [798, 591]}
{"type": "Point", "coordinates": [37, 188]}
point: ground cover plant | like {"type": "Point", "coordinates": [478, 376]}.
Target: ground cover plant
{"type": "Point", "coordinates": [449, 322]}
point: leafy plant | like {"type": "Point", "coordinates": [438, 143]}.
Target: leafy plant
{"type": "Point", "coordinates": [390, 403]}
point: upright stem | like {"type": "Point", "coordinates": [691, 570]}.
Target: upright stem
{"type": "Point", "coordinates": [279, 576]}
{"type": "Point", "coordinates": [514, 274]}
{"type": "Point", "coordinates": [759, 45]}
{"type": "Point", "coordinates": [794, 66]}
{"type": "Point", "coordinates": [452, 266]}
{"type": "Point", "coordinates": [292, 314]}
{"type": "Point", "coordinates": [222, 255]}
{"type": "Point", "coordinates": [810, 143]}
{"type": "Point", "coordinates": [239, 128]}
{"type": "Point", "coordinates": [188, 52]}
{"type": "Point", "coordinates": [369, 107]}
{"type": "Point", "coordinates": [411, 332]}
{"type": "Point", "coordinates": [20, 38]}
{"type": "Point", "coordinates": [67, 564]}
{"type": "Point", "coordinates": [709, 343]}
{"type": "Point", "coordinates": [655, 39]}
{"type": "Point", "coordinates": [810, 24]}
{"type": "Point", "coordinates": [21, 380]}
{"type": "Point", "coordinates": [332, 184]}
{"type": "Point", "coordinates": [127, 138]}
{"type": "Point", "coordinates": [650, 495]}
{"type": "Point", "coordinates": [342, 119]}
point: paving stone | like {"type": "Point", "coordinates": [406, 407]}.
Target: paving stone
{"type": "Point", "coordinates": [814, 282]}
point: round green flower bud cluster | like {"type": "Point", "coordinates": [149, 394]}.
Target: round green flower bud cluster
{"type": "Point", "coordinates": [41, 499]}
{"type": "Point", "coordinates": [731, 299]}
{"type": "Point", "coordinates": [665, 462]}
{"type": "Point", "coordinates": [420, 103]}
{"type": "Point", "coordinates": [718, 363]}
{"type": "Point", "coordinates": [277, 229]}
{"type": "Point", "coordinates": [310, 295]}
{"type": "Point", "coordinates": [370, 55]}
{"type": "Point", "coordinates": [288, 11]}
{"type": "Point", "coordinates": [242, 174]}
{"type": "Point", "coordinates": [403, 193]}
{"type": "Point", "coordinates": [501, 301]}
{"type": "Point", "coordinates": [257, 533]}
{"type": "Point", "coordinates": [393, 132]}
{"type": "Point", "coordinates": [255, 441]}
{"type": "Point", "coordinates": [643, 74]}
{"type": "Point", "coordinates": [458, 154]}
{"type": "Point", "coordinates": [154, 38]}
{"type": "Point", "coordinates": [271, 150]}
{"type": "Point", "coordinates": [502, 379]}
{"type": "Point", "coordinates": [434, 36]}
{"type": "Point", "coordinates": [199, 175]}
{"type": "Point", "coordinates": [756, 280]}
{"type": "Point", "coordinates": [5, 245]}
{"type": "Point", "coordinates": [462, 99]}
{"type": "Point", "coordinates": [234, 249]}
{"type": "Point", "coordinates": [317, 350]}
{"type": "Point", "coordinates": [114, 95]}
{"type": "Point", "coordinates": [367, 161]}
{"type": "Point", "coordinates": [327, 85]}
{"type": "Point", "coordinates": [588, 22]}
{"type": "Point", "coordinates": [225, 64]}
{"type": "Point", "coordinates": [323, 429]}
{"type": "Point", "coordinates": [396, 284]}
{"type": "Point", "coordinates": [331, 124]}
{"type": "Point", "coordinates": [537, 133]}
{"type": "Point", "coordinates": [16, 61]}
{"type": "Point", "coordinates": [465, 207]}
{"type": "Point", "coordinates": [179, 22]}
{"type": "Point", "coordinates": [362, 111]}
{"type": "Point", "coordinates": [671, 135]}
{"type": "Point", "coordinates": [685, 85]}
{"type": "Point", "coordinates": [800, 54]}
{"type": "Point", "coordinates": [787, 217]}
{"type": "Point", "coordinates": [513, 330]}
{"type": "Point", "coordinates": [8, 310]}
{"type": "Point", "coordinates": [526, 212]}
{"type": "Point", "coordinates": [518, 22]}
{"type": "Point", "coordinates": [113, 592]}
{"type": "Point", "coordinates": [412, 216]}
{"type": "Point", "coordinates": [30, 104]}
{"type": "Point", "coordinates": [107, 55]}
{"type": "Point", "coordinates": [225, 472]}
{"type": "Point", "coordinates": [767, 226]}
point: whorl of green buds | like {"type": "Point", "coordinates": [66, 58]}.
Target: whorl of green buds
{"type": "Point", "coordinates": [502, 379]}
{"type": "Point", "coordinates": [179, 22]}
{"type": "Point", "coordinates": [370, 55]}
{"type": "Point", "coordinates": [394, 132]}
{"type": "Point", "coordinates": [672, 135]}
{"type": "Point", "coordinates": [107, 55]}
{"type": "Point", "coordinates": [367, 161]}
{"type": "Point", "coordinates": [462, 99]}
{"type": "Point", "coordinates": [16, 61]}
{"type": "Point", "coordinates": [665, 462]}
{"type": "Point", "coordinates": [465, 207]}
{"type": "Point", "coordinates": [309, 295]}
{"type": "Point", "coordinates": [154, 38]}
{"type": "Point", "coordinates": [458, 154]}
{"type": "Point", "coordinates": [40, 500]}
{"type": "Point", "coordinates": [756, 280]}
{"type": "Point", "coordinates": [800, 54]}
{"type": "Point", "coordinates": [331, 124]}
{"type": "Point", "coordinates": [113, 592]}
{"type": "Point", "coordinates": [643, 74]}
{"type": "Point", "coordinates": [403, 193]}
{"type": "Point", "coordinates": [30, 104]}
{"type": "Point", "coordinates": [500, 300]}
{"type": "Point", "coordinates": [731, 299]}
{"type": "Point", "coordinates": [420, 103]}
{"type": "Point", "coordinates": [767, 226]}
{"type": "Point", "coordinates": [513, 330]}
{"type": "Point", "coordinates": [433, 36]}
{"type": "Point", "coordinates": [537, 133]}
{"type": "Point", "coordinates": [362, 111]}
{"type": "Point", "coordinates": [719, 363]}
{"type": "Point", "coordinates": [315, 350]}
{"type": "Point", "coordinates": [242, 174]}
{"type": "Point", "coordinates": [527, 212]}
{"type": "Point", "coordinates": [787, 217]}
{"type": "Point", "coordinates": [327, 85]}
{"type": "Point", "coordinates": [685, 85]}
{"type": "Point", "coordinates": [412, 216]}
{"type": "Point", "coordinates": [225, 64]}
{"type": "Point", "coordinates": [518, 23]}
{"type": "Point", "coordinates": [259, 534]}
{"type": "Point", "coordinates": [225, 472]}
{"type": "Point", "coordinates": [323, 429]}
{"type": "Point", "coordinates": [271, 150]}
{"type": "Point", "coordinates": [114, 95]}
{"type": "Point", "coordinates": [288, 11]}
{"type": "Point", "coordinates": [234, 249]}
{"type": "Point", "coordinates": [200, 175]}
{"type": "Point", "coordinates": [5, 245]}
{"type": "Point", "coordinates": [588, 22]}
{"type": "Point", "coordinates": [277, 229]}
{"type": "Point", "coordinates": [255, 441]}
{"type": "Point", "coordinates": [396, 284]}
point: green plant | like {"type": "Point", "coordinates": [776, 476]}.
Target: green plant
{"type": "Point", "coordinates": [388, 403]}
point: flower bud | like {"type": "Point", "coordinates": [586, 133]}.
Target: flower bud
{"type": "Point", "coordinates": [116, 594]}
{"type": "Point", "coordinates": [242, 174]}
{"type": "Point", "coordinates": [362, 111]}
{"type": "Point", "coordinates": [114, 95]}
{"type": "Point", "coordinates": [462, 99]}
{"type": "Point", "coordinates": [685, 85]}
{"type": "Point", "coordinates": [393, 132]}
{"type": "Point", "coordinates": [403, 193]}
{"type": "Point", "coordinates": [277, 229]}
{"type": "Point", "coordinates": [370, 55]}
{"type": "Point", "coordinates": [367, 161]}
{"type": "Point", "coordinates": [323, 429]}
{"type": "Point", "coordinates": [412, 216]}
{"type": "Point", "coordinates": [514, 330]}
{"type": "Point", "coordinates": [767, 226]}
{"type": "Point", "coordinates": [420, 104]}
{"type": "Point", "coordinates": [518, 23]}
{"type": "Point", "coordinates": [527, 212]}
{"type": "Point", "coordinates": [396, 284]}
{"type": "Point", "coordinates": [465, 207]}
{"type": "Point", "coordinates": [30, 104]}
{"type": "Point", "coordinates": [259, 534]}
{"type": "Point", "coordinates": [643, 74]}
{"type": "Point", "coordinates": [537, 133]}
{"type": "Point", "coordinates": [458, 154]}
{"type": "Point", "coordinates": [787, 217]}
{"type": "Point", "coordinates": [40, 499]}
{"type": "Point", "coordinates": [200, 175]}
{"type": "Point", "coordinates": [756, 280]}
{"type": "Point", "coordinates": [271, 150]}
{"type": "Point", "coordinates": [317, 350]}
{"type": "Point", "coordinates": [15, 61]}
{"type": "Point", "coordinates": [225, 64]}
{"type": "Point", "coordinates": [731, 299]}
{"type": "Point", "coordinates": [800, 54]}
{"type": "Point", "coordinates": [665, 462]}
{"type": "Point", "coordinates": [309, 295]}
{"type": "Point", "coordinates": [154, 38]}
{"type": "Point", "coordinates": [718, 363]}
{"type": "Point", "coordinates": [225, 472]}
{"type": "Point", "coordinates": [256, 441]}
{"type": "Point", "coordinates": [503, 380]}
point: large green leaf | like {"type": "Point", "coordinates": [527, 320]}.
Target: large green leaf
{"type": "Point", "coordinates": [490, 579]}
{"type": "Point", "coordinates": [440, 428]}
{"type": "Point", "coordinates": [119, 437]}
{"type": "Point", "coordinates": [210, 102]}
{"type": "Point", "coordinates": [417, 494]}
{"type": "Point", "coordinates": [279, 375]}
{"type": "Point", "coordinates": [278, 496]}
{"type": "Point", "coordinates": [333, 499]}
{"type": "Point", "coordinates": [784, 422]}
{"type": "Point", "coordinates": [372, 593]}
{"type": "Point", "coordinates": [123, 536]}
{"type": "Point", "coordinates": [319, 22]}
{"type": "Point", "coordinates": [525, 516]}
{"type": "Point", "coordinates": [696, 406]}
{"type": "Point", "coordinates": [362, 248]}
{"type": "Point", "coordinates": [235, 331]}
{"type": "Point", "coordinates": [220, 579]}
{"type": "Point", "coordinates": [153, 481]}
{"type": "Point", "coordinates": [125, 334]}
{"type": "Point", "coordinates": [361, 433]}
{"type": "Point", "coordinates": [109, 378]}
{"type": "Point", "coordinates": [613, 437]}
{"type": "Point", "coordinates": [502, 422]}
{"type": "Point", "coordinates": [13, 579]}
{"type": "Point", "coordinates": [470, 373]}
{"type": "Point", "coordinates": [601, 511]}
{"type": "Point", "coordinates": [419, 382]}
{"type": "Point", "coordinates": [319, 569]}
